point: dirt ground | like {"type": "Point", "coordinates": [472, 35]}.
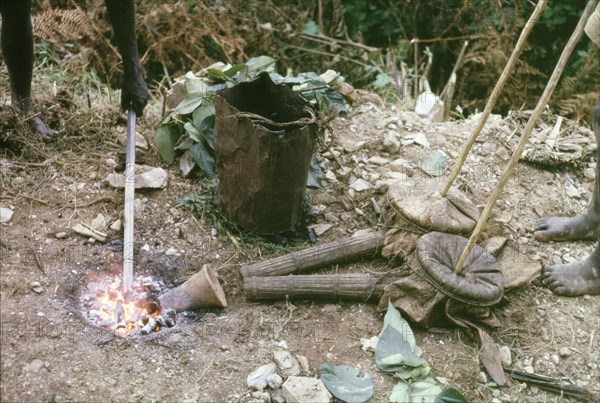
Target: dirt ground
{"type": "Point", "coordinates": [50, 353]}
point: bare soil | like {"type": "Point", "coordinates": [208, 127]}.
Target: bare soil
{"type": "Point", "coordinates": [50, 352]}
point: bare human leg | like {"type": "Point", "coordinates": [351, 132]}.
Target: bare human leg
{"type": "Point", "coordinates": [16, 36]}
{"type": "Point", "coordinates": [581, 277]}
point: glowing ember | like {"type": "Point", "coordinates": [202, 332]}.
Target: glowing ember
{"type": "Point", "coordinates": [137, 313]}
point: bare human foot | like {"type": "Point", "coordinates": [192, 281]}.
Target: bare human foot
{"type": "Point", "coordinates": [575, 279]}
{"type": "Point", "coordinates": [583, 227]}
{"type": "Point", "coordinates": [39, 126]}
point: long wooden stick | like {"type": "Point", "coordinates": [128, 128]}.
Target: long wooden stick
{"type": "Point", "coordinates": [129, 202]}
{"type": "Point", "coordinates": [351, 286]}
{"type": "Point", "coordinates": [343, 250]}
{"type": "Point", "coordinates": [495, 93]}
{"type": "Point", "coordinates": [558, 69]}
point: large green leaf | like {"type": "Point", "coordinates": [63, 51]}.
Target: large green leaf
{"type": "Point", "coordinates": [165, 139]}
{"type": "Point", "coordinates": [260, 63]}
{"type": "Point", "coordinates": [193, 84]}
{"type": "Point", "coordinates": [204, 157]}
{"type": "Point", "coordinates": [204, 120]}
{"type": "Point", "coordinates": [397, 351]}
{"type": "Point", "coordinates": [450, 395]}
{"type": "Point", "coordinates": [193, 132]}
{"type": "Point", "coordinates": [190, 102]}
{"type": "Point", "coordinates": [424, 391]}
{"type": "Point", "coordinates": [344, 383]}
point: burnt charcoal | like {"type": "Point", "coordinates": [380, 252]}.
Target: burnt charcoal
{"type": "Point", "coordinates": [160, 321]}
{"type": "Point", "coordinates": [152, 304]}
{"type": "Point", "coordinates": [135, 316]}
{"type": "Point", "coordinates": [144, 319]}
{"type": "Point", "coordinates": [147, 329]}
{"type": "Point", "coordinates": [171, 314]}
{"type": "Point", "coordinates": [112, 294]}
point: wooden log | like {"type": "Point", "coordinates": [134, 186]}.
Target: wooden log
{"type": "Point", "coordinates": [352, 286]}
{"type": "Point", "coordinates": [362, 245]}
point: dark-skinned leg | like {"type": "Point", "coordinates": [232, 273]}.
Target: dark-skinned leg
{"type": "Point", "coordinates": [16, 36]}
{"type": "Point", "coordinates": [581, 227]}
{"type": "Point", "coordinates": [581, 277]}
{"type": "Point", "coordinates": [122, 17]}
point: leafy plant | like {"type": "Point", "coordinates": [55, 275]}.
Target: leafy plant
{"type": "Point", "coordinates": [187, 132]}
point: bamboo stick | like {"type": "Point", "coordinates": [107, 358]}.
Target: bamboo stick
{"type": "Point", "coordinates": [341, 251]}
{"type": "Point", "coordinates": [495, 93]}
{"type": "Point", "coordinates": [537, 112]}
{"type": "Point", "coordinates": [129, 202]}
{"type": "Point", "coordinates": [353, 286]}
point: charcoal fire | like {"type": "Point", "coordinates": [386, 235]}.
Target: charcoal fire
{"type": "Point", "coordinates": [137, 313]}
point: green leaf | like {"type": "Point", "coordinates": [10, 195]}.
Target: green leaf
{"type": "Point", "coordinates": [165, 139]}
{"type": "Point", "coordinates": [206, 110]}
{"type": "Point", "coordinates": [193, 132]}
{"type": "Point", "coordinates": [315, 174]}
{"type": "Point", "coordinates": [185, 144]}
{"type": "Point", "coordinates": [193, 84]}
{"type": "Point", "coordinates": [203, 156]}
{"type": "Point", "coordinates": [189, 103]}
{"type": "Point", "coordinates": [344, 383]}
{"type": "Point", "coordinates": [217, 75]}
{"type": "Point", "coordinates": [260, 63]}
{"type": "Point", "coordinates": [450, 395]}
{"type": "Point", "coordinates": [311, 28]}
{"type": "Point", "coordinates": [397, 351]}
{"type": "Point", "coordinates": [424, 391]}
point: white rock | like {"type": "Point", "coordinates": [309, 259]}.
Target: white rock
{"type": "Point", "coordinates": [288, 365]}
{"type": "Point", "coordinates": [258, 378]}
{"type": "Point", "coordinates": [429, 105]}
{"type": "Point", "coordinates": [99, 223]}
{"type": "Point", "coordinates": [61, 235]}
{"type": "Point", "coordinates": [555, 359]}
{"type": "Point", "coordinates": [111, 163]}
{"type": "Point", "coordinates": [303, 363]}
{"type": "Point", "coordinates": [297, 389]}
{"type": "Point", "coordinates": [529, 369]}
{"type": "Point", "coordinates": [320, 229]}
{"type": "Point", "coordinates": [145, 178]}
{"type": "Point", "coordinates": [391, 142]}
{"type": "Point", "coordinates": [140, 141]}
{"type": "Point", "coordinates": [146, 247]}
{"type": "Point", "coordinates": [377, 160]}
{"type": "Point", "coordinates": [369, 344]}
{"type": "Point", "coordinates": [117, 225]}
{"type": "Point", "coordinates": [5, 214]}
{"type": "Point", "coordinates": [420, 139]}
{"type": "Point", "coordinates": [360, 185]}
{"type": "Point", "coordinates": [36, 287]}
{"type": "Point", "coordinates": [171, 252]}
{"type": "Point", "coordinates": [564, 352]}
{"type": "Point", "coordinates": [275, 381]}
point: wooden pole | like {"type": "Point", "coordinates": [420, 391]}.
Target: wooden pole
{"type": "Point", "coordinates": [495, 93]}
{"type": "Point", "coordinates": [344, 250]}
{"type": "Point", "coordinates": [353, 286]}
{"type": "Point", "coordinates": [537, 112]}
{"type": "Point", "coordinates": [129, 202]}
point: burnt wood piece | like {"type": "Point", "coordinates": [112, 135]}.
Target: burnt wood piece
{"type": "Point", "coordinates": [119, 314]}
{"type": "Point", "coordinates": [353, 286]}
{"type": "Point", "coordinates": [345, 250]}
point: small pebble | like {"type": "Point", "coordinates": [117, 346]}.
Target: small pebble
{"type": "Point", "coordinates": [554, 358]}
{"type": "Point", "coordinates": [61, 235]}
{"type": "Point", "coordinates": [36, 287]}
{"type": "Point", "coordinates": [564, 352]}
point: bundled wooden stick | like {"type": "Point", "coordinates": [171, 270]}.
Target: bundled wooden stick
{"type": "Point", "coordinates": [353, 286]}
{"type": "Point", "coordinates": [345, 250]}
